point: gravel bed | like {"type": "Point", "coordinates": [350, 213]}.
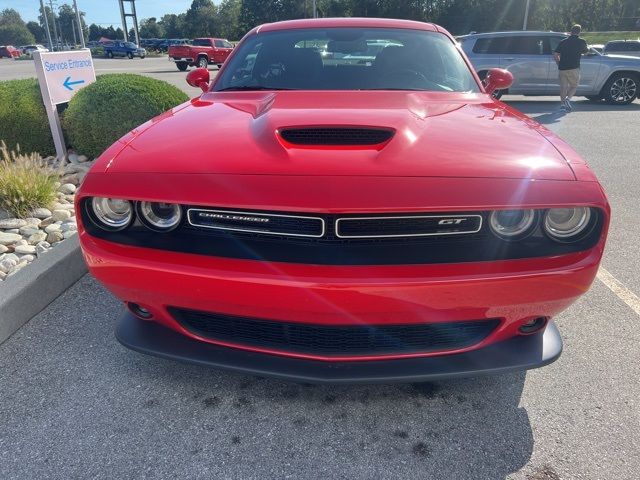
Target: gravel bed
{"type": "Point", "coordinates": [23, 240]}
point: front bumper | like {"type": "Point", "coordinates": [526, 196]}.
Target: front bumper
{"type": "Point", "coordinates": [517, 353]}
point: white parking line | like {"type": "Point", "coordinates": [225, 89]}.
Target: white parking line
{"type": "Point", "coordinates": [622, 292]}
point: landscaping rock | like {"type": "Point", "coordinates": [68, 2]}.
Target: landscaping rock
{"type": "Point", "coordinates": [28, 230]}
{"type": "Point", "coordinates": [59, 215]}
{"type": "Point", "coordinates": [3, 249]}
{"type": "Point", "coordinates": [68, 227]}
{"type": "Point", "coordinates": [2, 276]}
{"type": "Point", "coordinates": [22, 241]}
{"type": "Point", "coordinates": [41, 213]}
{"type": "Point", "coordinates": [27, 258]}
{"type": "Point", "coordinates": [73, 179]}
{"type": "Point", "coordinates": [54, 227]}
{"type": "Point", "coordinates": [42, 247]}
{"type": "Point", "coordinates": [67, 188]}
{"type": "Point", "coordinates": [46, 222]}
{"type": "Point", "coordinates": [54, 237]}
{"type": "Point", "coordinates": [25, 249]}
{"type": "Point", "coordinates": [4, 214]}
{"type": "Point", "coordinates": [82, 158]}
{"type": "Point", "coordinates": [73, 157]}
{"type": "Point", "coordinates": [7, 264]}
{"type": "Point", "coordinates": [9, 238]}
{"type": "Point", "coordinates": [13, 230]}
{"type": "Point", "coordinates": [33, 221]}
{"type": "Point", "coordinates": [69, 233]}
{"type": "Point", "coordinates": [37, 237]}
{"type": "Point", "coordinates": [10, 223]}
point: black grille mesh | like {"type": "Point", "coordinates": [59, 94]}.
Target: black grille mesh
{"type": "Point", "coordinates": [336, 136]}
{"type": "Point", "coordinates": [350, 340]}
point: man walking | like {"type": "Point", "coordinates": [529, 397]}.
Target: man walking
{"type": "Point", "coordinates": [567, 56]}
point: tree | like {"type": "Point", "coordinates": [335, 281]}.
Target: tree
{"type": "Point", "coordinates": [173, 25]}
{"type": "Point", "coordinates": [68, 24]}
{"type": "Point", "coordinates": [37, 31]}
{"type": "Point", "coordinates": [13, 30]}
{"type": "Point", "coordinates": [201, 20]}
{"type": "Point", "coordinates": [150, 28]}
{"type": "Point", "coordinates": [229, 19]}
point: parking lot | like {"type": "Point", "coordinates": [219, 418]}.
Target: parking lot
{"type": "Point", "coordinates": [76, 404]}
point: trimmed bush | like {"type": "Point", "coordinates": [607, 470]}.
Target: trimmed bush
{"type": "Point", "coordinates": [23, 119]}
{"type": "Point", "coordinates": [102, 112]}
{"type": "Point", "coordinates": [26, 182]}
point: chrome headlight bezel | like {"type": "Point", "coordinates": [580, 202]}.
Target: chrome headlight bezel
{"type": "Point", "coordinates": [581, 226]}
{"type": "Point", "coordinates": [105, 216]}
{"type": "Point", "coordinates": [150, 219]}
{"type": "Point", "coordinates": [525, 227]}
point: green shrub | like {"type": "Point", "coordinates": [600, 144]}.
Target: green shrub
{"type": "Point", "coordinates": [26, 182]}
{"type": "Point", "coordinates": [23, 119]}
{"type": "Point", "coordinates": [102, 112]}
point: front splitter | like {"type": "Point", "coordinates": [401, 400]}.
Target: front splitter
{"type": "Point", "coordinates": [518, 353]}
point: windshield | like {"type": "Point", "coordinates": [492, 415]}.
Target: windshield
{"type": "Point", "coordinates": [201, 42]}
{"type": "Point", "coordinates": [347, 59]}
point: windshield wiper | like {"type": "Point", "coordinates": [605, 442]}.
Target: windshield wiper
{"type": "Point", "coordinates": [248, 88]}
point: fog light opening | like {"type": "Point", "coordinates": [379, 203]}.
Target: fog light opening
{"type": "Point", "coordinates": [533, 326]}
{"type": "Point", "coordinates": [139, 311]}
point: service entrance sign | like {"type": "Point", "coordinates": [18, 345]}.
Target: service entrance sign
{"type": "Point", "coordinates": [61, 75]}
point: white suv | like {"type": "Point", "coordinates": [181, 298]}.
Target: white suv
{"type": "Point", "coordinates": [529, 57]}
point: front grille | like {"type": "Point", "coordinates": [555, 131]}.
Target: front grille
{"type": "Point", "coordinates": [336, 136]}
{"type": "Point", "coordinates": [261, 223]}
{"type": "Point", "coordinates": [407, 226]}
{"type": "Point", "coordinates": [348, 340]}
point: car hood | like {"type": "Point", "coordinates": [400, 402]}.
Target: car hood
{"type": "Point", "coordinates": [435, 135]}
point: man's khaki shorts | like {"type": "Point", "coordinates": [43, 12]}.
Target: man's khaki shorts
{"type": "Point", "coordinates": [569, 79]}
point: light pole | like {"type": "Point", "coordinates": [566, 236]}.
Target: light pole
{"type": "Point", "coordinates": [526, 15]}
{"type": "Point", "coordinates": [46, 24]}
{"type": "Point", "coordinates": [315, 12]}
{"type": "Point", "coordinates": [80, 30]}
{"type": "Point", "coordinates": [53, 17]}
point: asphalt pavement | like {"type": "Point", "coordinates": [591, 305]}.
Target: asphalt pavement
{"type": "Point", "coordinates": [75, 404]}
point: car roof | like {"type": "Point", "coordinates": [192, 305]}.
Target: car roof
{"type": "Point", "coordinates": [613, 42]}
{"type": "Point", "coordinates": [347, 22]}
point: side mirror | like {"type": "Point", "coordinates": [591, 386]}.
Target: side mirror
{"type": "Point", "coordinates": [497, 79]}
{"type": "Point", "coordinates": [199, 78]}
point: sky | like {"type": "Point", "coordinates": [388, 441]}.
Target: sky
{"type": "Point", "coordinates": [102, 12]}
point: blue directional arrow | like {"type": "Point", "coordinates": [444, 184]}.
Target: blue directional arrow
{"type": "Point", "coordinates": [68, 84]}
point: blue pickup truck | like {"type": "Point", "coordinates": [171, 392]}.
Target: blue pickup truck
{"type": "Point", "coordinates": [123, 49]}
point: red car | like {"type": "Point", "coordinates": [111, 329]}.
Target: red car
{"type": "Point", "coordinates": [330, 221]}
{"type": "Point", "coordinates": [9, 52]}
{"type": "Point", "coordinates": [200, 53]}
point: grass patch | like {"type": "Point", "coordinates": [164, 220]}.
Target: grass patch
{"type": "Point", "coordinates": [26, 182]}
{"type": "Point", "coordinates": [594, 38]}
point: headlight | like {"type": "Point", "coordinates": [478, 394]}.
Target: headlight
{"type": "Point", "coordinates": [512, 224]}
{"type": "Point", "coordinates": [160, 216]}
{"type": "Point", "coordinates": [111, 213]}
{"type": "Point", "coordinates": [566, 224]}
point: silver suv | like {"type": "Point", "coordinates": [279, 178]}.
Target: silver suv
{"type": "Point", "coordinates": [529, 57]}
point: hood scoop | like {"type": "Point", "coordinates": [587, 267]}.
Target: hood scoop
{"type": "Point", "coordinates": [336, 136]}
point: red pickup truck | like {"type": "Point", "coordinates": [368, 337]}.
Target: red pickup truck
{"type": "Point", "coordinates": [200, 53]}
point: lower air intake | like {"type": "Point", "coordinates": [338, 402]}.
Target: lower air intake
{"type": "Point", "coordinates": [344, 341]}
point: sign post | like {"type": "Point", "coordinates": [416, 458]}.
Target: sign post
{"type": "Point", "coordinates": [61, 75]}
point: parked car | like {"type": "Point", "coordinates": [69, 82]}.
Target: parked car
{"type": "Point", "coordinates": [29, 49]}
{"type": "Point", "coordinates": [529, 57]}
{"type": "Point", "coordinates": [123, 49]}
{"type": "Point", "coordinates": [344, 222]}
{"type": "Point", "coordinates": [9, 51]}
{"type": "Point", "coordinates": [623, 47]}
{"type": "Point", "coordinates": [202, 52]}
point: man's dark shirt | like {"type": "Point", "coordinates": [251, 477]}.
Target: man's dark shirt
{"type": "Point", "coordinates": [570, 50]}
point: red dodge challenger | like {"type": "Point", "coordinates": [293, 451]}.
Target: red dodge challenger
{"type": "Point", "coordinates": [345, 202]}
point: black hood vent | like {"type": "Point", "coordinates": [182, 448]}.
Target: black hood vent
{"type": "Point", "coordinates": [336, 135]}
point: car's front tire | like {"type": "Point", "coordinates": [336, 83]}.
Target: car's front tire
{"type": "Point", "coordinates": [182, 66]}
{"type": "Point", "coordinates": [203, 62]}
{"type": "Point", "coordinates": [110, 54]}
{"type": "Point", "coordinates": [621, 89]}
{"type": "Point", "coordinates": [130, 55]}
